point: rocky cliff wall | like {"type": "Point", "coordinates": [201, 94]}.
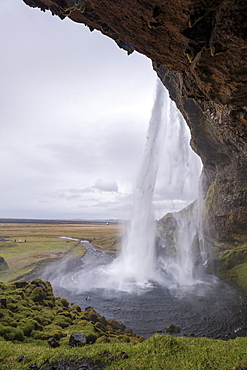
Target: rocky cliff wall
{"type": "Point", "coordinates": [199, 49]}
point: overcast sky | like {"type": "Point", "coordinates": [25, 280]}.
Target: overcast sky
{"type": "Point", "coordinates": [74, 113]}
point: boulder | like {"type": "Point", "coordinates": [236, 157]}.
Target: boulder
{"type": "Point", "coordinates": [173, 329]}
{"type": "Point", "coordinates": [77, 340]}
{"type": "Point", "coordinates": [53, 343]}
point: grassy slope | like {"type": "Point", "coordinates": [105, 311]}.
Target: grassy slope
{"type": "Point", "coordinates": [30, 314]}
{"type": "Point", "coordinates": [157, 352]}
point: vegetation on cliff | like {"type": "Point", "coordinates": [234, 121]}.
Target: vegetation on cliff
{"type": "Point", "coordinates": [229, 261]}
{"type": "Point", "coordinates": [226, 259]}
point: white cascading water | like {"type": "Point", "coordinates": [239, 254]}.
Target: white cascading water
{"type": "Point", "coordinates": [142, 261]}
{"type": "Point", "coordinates": [156, 279]}
{"type": "Point", "coordinates": [138, 263]}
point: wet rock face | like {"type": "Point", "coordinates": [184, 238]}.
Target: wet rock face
{"type": "Point", "coordinates": [198, 48]}
{"type": "Point", "coordinates": [221, 144]}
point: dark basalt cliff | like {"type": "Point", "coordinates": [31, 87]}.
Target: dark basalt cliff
{"type": "Point", "coordinates": [198, 48]}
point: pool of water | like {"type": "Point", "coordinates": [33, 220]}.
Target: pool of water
{"type": "Point", "coordinates": [210, 309]}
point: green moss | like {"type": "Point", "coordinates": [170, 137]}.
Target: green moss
{"type": "Point", "coordinates": [229, 261]}
{"type": "Point", "coordinates": [103, 339]}
{"type": "Point", "coordinates": [64, 302]}
{"type": "Point", "coordinates": [41, 335]}
{"type": "Point", "coordinates": [76, 308]}
{"type": "Point", "coordinates": [11, 333]}
{"type": "Point", "coordinates": [115, 348]}
{"type": "Point", "coordinates": [61, 321]}
{"type": "Point", "coordinates": [123, 338]}
{"type": "Point", "coordinates": [210, 201]}
{"type": "Point", "coordinates": [158, 352]}
{"type": "Point", "coordinates": [237, 275]}
{"type": "Point", "coordinates": [27, 326]}
{"type": "Point", "coordinates": [91, 338]}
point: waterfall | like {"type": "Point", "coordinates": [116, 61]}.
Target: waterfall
{"type": "Point", "coordinates": [158, 276]}
{"type": "Point", "coordinates": [166, 252]}
{"type": "Point", "coordinates": [137, 260]}
{"type": "Point", "coordinates": [141, 261]}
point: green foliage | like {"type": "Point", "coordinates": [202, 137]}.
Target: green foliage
{"type": "Point", "coordinates": [64, 302]}
{"type": "Point", "coordinates": [91, 338]}
{"type": "Point", "coordinates": [26, 312]}
{"type": "Point", "coordinates": [156, 353]}
{"type": "Point", "coordinates": [25, 331]}
{"type": "Point", "coordinates": [38, 294]}
{"type": "Point", "coordinates": [76, 308]}
{"type": "Point", "coordinates": [27, 326]}
{"type": "Point", "coordinates": [11, 333]}
{"type": "Point", "coordinates": [62, 321]}
{"type": "Point", "coordinates": [229, 261]}
{"type": "Point", "coordinates": [103, 339]}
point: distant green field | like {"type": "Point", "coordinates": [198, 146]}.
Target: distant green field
{"type": "Point", "coordinates": [26, 246]}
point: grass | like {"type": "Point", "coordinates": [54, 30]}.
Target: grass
{"type": "Point", "coordinates": [29, 312]}
{"type": "Point", "coordinates": [26, 246]}
{"type": "Point", "coordinates": [158, 352]}
{"type": "Point", "coordinates": [88, 231]}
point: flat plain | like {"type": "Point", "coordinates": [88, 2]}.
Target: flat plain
{"type": "Point", "coordinates": [28, 245]}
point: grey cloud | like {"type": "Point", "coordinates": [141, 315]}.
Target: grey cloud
{"type": "Point", "coordinates": [74, 109]}
{"type": "Point", "coordinates": [106, 186]}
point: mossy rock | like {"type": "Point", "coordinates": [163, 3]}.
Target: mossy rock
{"type": "Point", "coordinates": [25, 313]}
{"type": "Point", "coordinates": [103, 320]}
{"type": "Point", "coordinates": [38, 294]}
{"type": "Point", "coordinates": [64, 302]}
{"type": "Point", "coordinates": [76, 308]}
{"type": "Point", "coordinates": [173, 329]}
{"type": "Point", "coordinates": [123, 338]}
{"type": "Point", "coordinates": [11, 333]}
{"type": "Point", "coordinates": [3, 286]}
{"type": "Point", "coordinates": [100, 327]}
{"type": "Point", "coordinates": [54, 331]}
{"type": "Point", "coordinates": [103, 339]}
{"type": "Point", "coordinates": [91, 315]}
{"type": "Point", "coordinates": [64, 313]}
{"type": "Point", "coordinates": [91, 338]}
{"type": "Point", "coordinates": [229, 262]}
{"type": "Point", "coordinates": [27, 326]}
{"type": "Point", "coordinates": [36, 334]}
{"type": "Point", "coordinates": [62, 321]}
{"type": "Point", "coordinates": [116, 325]}
{"type": "Point", "coordinates": [19, 284]}
{"type": "Point", "coordinates": [12, 307]}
